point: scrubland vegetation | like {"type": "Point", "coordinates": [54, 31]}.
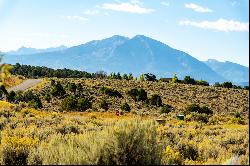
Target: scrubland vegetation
{"type": "Point", "coordinates": [121, 120]}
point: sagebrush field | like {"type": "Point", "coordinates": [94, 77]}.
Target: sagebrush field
{"type": "Point", "coordinates": [107, 121]}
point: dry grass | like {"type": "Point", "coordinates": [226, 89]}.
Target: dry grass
{"type": "Point", "coordinates": [13, 81]}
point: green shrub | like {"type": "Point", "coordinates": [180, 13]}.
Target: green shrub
{"type": "Point", "coordinates": [3, 91]}
{"type": "Point", "coordinates": [155, 100]}
{"type": "Point", "coordinates": [72, 87]}
{"type": "Point", "coordinates": [198, 109]}
{"type": "Point", "coordinates": [202, 82]}
{"type": "Point", "coordinates": [138, 94]}
{"type": "Point", "coordinates": [58, 90]}
{"type": "Point", "coordinates": [200, 117]}
{"type": "Point", "coordinates": [189, 80]}
{"type": "Point", "coordinates": [128, 142]}
{"type": "Point", "coordinates": [52, 82]}
{"type": "Point", "coordinates": [83, 104]}
{"type": "Point", "coordinates": [47, 97]}
{"type": "Point", "coordinates": [166, 109]}
{"type": "Point", "coordinates": [237, 115]}
{"type": "Point", "coordinates": [104, 105]}
{"type": "Point", "coordinates": [150, 77]}
{"type": "Point", "coordinates": [35, 103]}
{"type": "Point", "coordinates": [110, 92]}
{"type": "Point", "coordinates": [126, 107]}
{"type": "Point", "coordinates": [11, 96]}
{"type": "Point", "coordinates": [69, 104]}
{"type": "Point", "coordinates": [132, 143]}
{"type": "Point", "coordinates": [188, 150]}
{"type": "Point", "coordinates": [227, 84]}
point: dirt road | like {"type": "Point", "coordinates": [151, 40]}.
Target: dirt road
{"type": "Point", "coordinates": [25, 85]}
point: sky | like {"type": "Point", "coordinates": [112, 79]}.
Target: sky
{"type": "Point", "coordinates": [206, 29]}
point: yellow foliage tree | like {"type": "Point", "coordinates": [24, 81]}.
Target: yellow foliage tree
{"type": "Point", "coordinates": [4, 71]}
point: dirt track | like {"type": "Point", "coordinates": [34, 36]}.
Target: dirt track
{"type": "Point", "coordinates": [25, 85]}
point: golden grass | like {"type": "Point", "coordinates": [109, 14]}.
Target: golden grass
{"type": "Point", "coordinates": [13, 81]}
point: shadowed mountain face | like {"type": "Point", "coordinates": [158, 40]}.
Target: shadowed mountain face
{"type": "Point", "coordinates": [231, 71]}
{"type": "Point", "coordinates": [120, 54]}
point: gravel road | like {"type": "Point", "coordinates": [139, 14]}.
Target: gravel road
{"type": "Point", "coordinates": [25, 85]}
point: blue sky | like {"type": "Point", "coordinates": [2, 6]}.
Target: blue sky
{"type": "Point", "coordinates": [206, 29]}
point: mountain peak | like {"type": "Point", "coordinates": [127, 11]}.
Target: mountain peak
{"type": "Point", "coordinates": [117, 38]}
{"type": "Point", "coordinates": [141, 37]}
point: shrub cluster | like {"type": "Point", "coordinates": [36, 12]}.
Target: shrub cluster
{"type": "Point", "coordinates": [155, 100]}
{"type": "Point", "coordinates": [166, 109]}
{"type": "Point", "coordinates": [29, 97]}
{"type": "Point", "coordinates": [198, 109]}
{"type": "Point", "coordinates": [125, 107]}
{"type": "Point", "coordinates": [71, 103]}
{"type": "Point", "coordinates": [138, 94]}
{"type": "Point", "coordinates": [110, 92]}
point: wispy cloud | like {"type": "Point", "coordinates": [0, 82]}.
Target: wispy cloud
{"type": "Point", "coordinates": [92, 12]}
{"type": "Point", "coordinates": [220, 25]}
{"type": "Point", "coordinates": [198, 8]}
{"type": "Point", "coordinates": [79, 18]}
{"type": "Point", "coordinates": [132, 7]}
{"type": "Point", "coordinates": [165, 3]}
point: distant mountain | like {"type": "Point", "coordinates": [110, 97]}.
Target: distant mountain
{"type": "Point", "coordinates": [231, 71]}
{"type": "Point", "coordinates": [137, 55]}
{"type": "Point", "coordinates": [28, 51]}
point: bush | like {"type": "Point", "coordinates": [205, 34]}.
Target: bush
{"type": "Point", "coordinates": [35, 103]}
{"type": "Point", "coordinates": [104, 105]}
{"type": "Point", "coordinates": [246, 87]}
{"type": "Point", "coordinates": [126, 107]}
{"type": "Point", "coordinates": [156, 100]}
{"type": "Point", "coordinates": [202, 82]}
{"type": "Point", "coordinates": [227, 85]}
{"type": "Point", "coordinates": [234, 120]}
{"type": "Point", "coordinates": [72, 87]}
{"type": "Point", "coordinates": [198, 109]}
{"type": "Point", "coordinates": [83, 104]}
{"type": "Point", "coordinates": [150, 77]}
{"type": "Point", "coordinates": [166, 109]}
{"type": "Point", "coordinates": [11, 96]}
{"type": "Point", "coordinates": [69, 104]}
{"type": "Point", "coordinates": [128, 142]}
{"type": "Point", "coordinates": [138, 94]}
{"type": "Point", "coordinates": [237, 115]}
{"type": "Point", "coordinates": [3, 91]}
{"type": "Point", "coordinates": [174, 79]}
{"type": "Point", "coordinates": [52, 82]}
{"type": "Point", "coordinates": [15, 151]}
{"type": "Point", "coordinates": [79, 87]}
{"type": "Point", "coordinates": [47, 97]}
{"type": "Point", "coordinates": [58, 90]}
{"type": "Point", "coordinates": [131, 143]}
{"type": "Point", "coordinates": [110, 92]}
{"type": "Point", "coordinates": [171, 158]}
{"type": "Point", "coordinates": [200, 117]}
{"type": "Point", "coordinates": [189, 80]}
{"type": "Point", "coordinates": [188, 150]}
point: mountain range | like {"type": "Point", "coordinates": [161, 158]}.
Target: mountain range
{"type": "Point", "coordinates": [28, 51]}
{"type": "Point", "coordinates": [136, 55]}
